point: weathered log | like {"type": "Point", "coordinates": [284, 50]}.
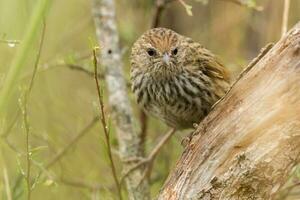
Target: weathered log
{"type": "Point", "coordinates": [249, 143]}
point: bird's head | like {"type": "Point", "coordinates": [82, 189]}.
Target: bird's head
{"type": "Point", "coordinates": [159, 51]}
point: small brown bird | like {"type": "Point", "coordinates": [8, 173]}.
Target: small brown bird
{"type": "Point", "coordinates": [174, 78]}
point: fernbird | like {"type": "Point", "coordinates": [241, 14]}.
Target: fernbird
{"type": "Point", "coordinates": [174, 78]}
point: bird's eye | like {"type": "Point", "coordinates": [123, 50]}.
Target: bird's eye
{"type": "Point", "coordinates": [175, 51]}
{"type": "Point", "coordinates": [151, 52]}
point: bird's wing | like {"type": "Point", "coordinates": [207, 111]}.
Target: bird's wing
{"type": "Point", "coordinates": [210, 64]}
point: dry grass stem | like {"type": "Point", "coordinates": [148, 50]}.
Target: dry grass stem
{"type": "Point", "coordinates": [285, 17]}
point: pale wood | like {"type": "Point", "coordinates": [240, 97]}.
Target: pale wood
{"type": "Point", "coordinates": [128, 133]}
{"type": "Point", "coordinates": [249, 143]}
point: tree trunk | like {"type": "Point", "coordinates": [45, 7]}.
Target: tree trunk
{"type": "Point", "coordinates": [249, 143]}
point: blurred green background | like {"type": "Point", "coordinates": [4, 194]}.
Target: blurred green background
{"type": "Point", "coordinates": [63, 101]}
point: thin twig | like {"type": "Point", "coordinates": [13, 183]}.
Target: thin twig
{"type": "Point", "coordinates": [28, 150]}
{"type": "Point", "coordinates": [58, 63]}
{"type": "Point", "coordinates": [81, 184]}
{"type": "Point", "coordinates": [144, 126]}
{"type": "Point", "coordinates": [79, 135]}
{"type": "Point", "coordinates": [90, 73]}
{"type": "Point", "coordinates": [149, 160]}
{"type": "Point", "coordinates": [82, 69]}
{"type": "Point", "coordinates": [161, 143]}
{"type": "Point", "coordinates": [73, 183]}
{"type": "Point", "coordinates": [160, 6]}
{"type": "Point", "coordinates": [36, 64]}
{"type": "Point", "coordinates": [25, 114]}
{"type": "Point", "coordinates": [285, 17]}
{"type": "Point", "coordinates": [104, 125]}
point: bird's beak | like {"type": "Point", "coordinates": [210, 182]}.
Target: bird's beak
{"type": "Point", "coordinates": [166, 59]}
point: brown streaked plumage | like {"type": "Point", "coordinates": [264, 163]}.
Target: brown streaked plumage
{"type": "Point", "coordinates": [175, 78]}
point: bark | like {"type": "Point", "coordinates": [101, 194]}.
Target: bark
{"type": "Point", "coordinates": [249, 143]}
{"type": "Point", "coordinates": [128, 133]}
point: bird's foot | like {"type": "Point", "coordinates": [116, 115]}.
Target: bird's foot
{"type": "Point", "coordinates": [186, 140]}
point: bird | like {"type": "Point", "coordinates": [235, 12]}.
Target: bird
{"type": "Point", "coordinates": [174, 78]}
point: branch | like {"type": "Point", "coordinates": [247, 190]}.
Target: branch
{"type": "Point", "coordinates": [247, 145]}
{"type": "Point", "coordinates": [128, 133]}
{"type": "Point", "coordinates": [24, 107]}
{"type": "Point", "coordinates": [89, 73]}
{"type": "Point", "coordinates": [82, 69]}
{"type": "Point", "coordinates": [150, 159]}
{"type": "Point", "coordinates": [160, 6]}
{"type": "Point", "coordinates": [79, 135]}
{"type": "Point", "coordinates": [105, 126]}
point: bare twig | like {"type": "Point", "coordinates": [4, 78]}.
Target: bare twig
{"type": "Point", "coordinates": [128, 132]}
{"type": "Point", "coordinates": [70, 182]}
{"type": "Point", "coordinates": [105, 126]}
{"type": "Point", "coordinates": [144, 126]}
{"type": "Point", "coordinates": [59, 63]}
{"type": "Point", "coordinates": [160, 6]}
{"type": "Point", "coordinates": [90, 73]}
{"type": "Point", "coordinates": [82, 69]}
{"type": "Point", "coordinates": [161, 143]}
{"type": "Point", "coordinates": [79, 135]}
{"type": "Point", "coordinates": [36, 64]}
{"type": "Point", "coordinates": [63, 151]}
{"type": "Point", "coordinates": [81, 184]}
{"type": "Point", "coordinates": [28, 150]}
{"type": "Point", "coordinates": [285, 17]}
{"type": "Point", "coordinates": [24, 108]}
{"type": "Point", "coordinates": [149, 160]}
